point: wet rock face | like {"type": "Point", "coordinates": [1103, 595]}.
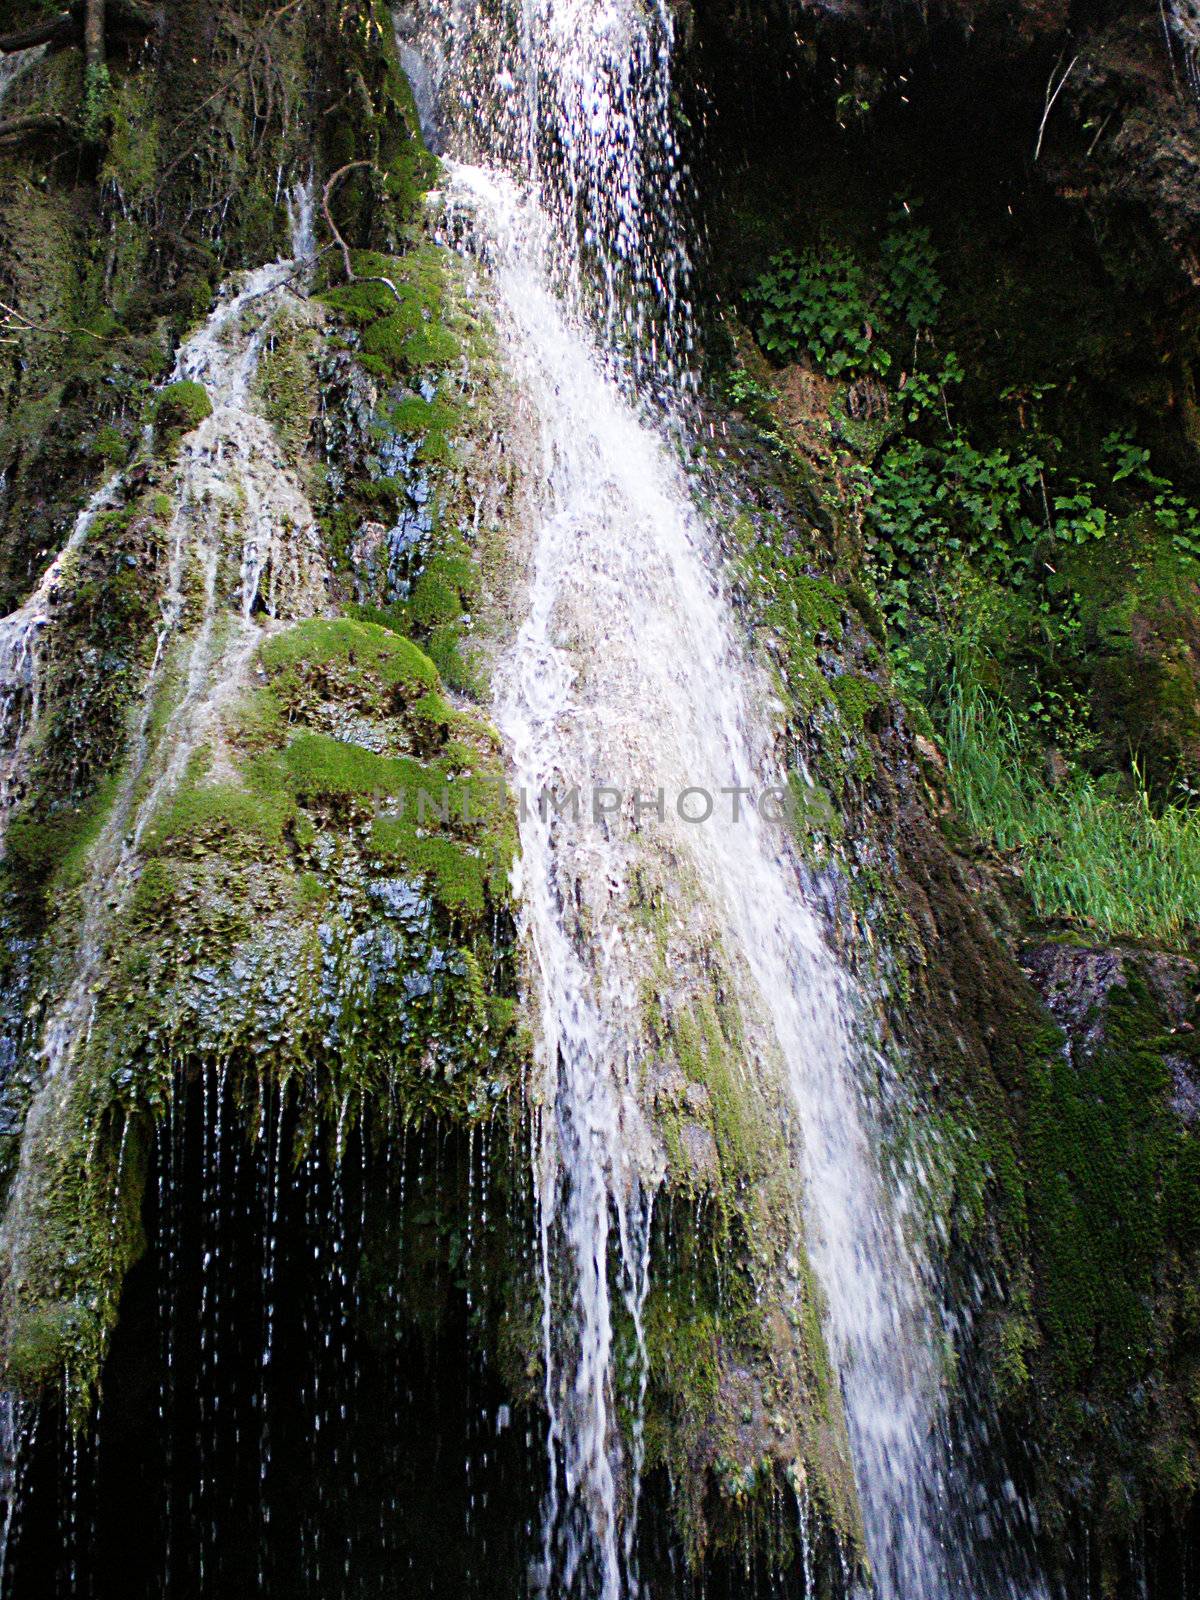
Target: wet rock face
{"type": "Point", "coordinates": [1076, 984]}
{"type": "Point", "coordinates": [1109, 1147]}
{"type": "Point", "coordinates": [1135, 77]}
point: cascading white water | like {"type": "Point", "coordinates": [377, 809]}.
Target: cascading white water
{"type": "Point", "coordinates": [243, 550]}
{"type": "Point", "coordinates": [628, 672]}
{"type": "Point", "coordinates": [21, 665]}
{"type": "Point", "coordinates": [232, 463]}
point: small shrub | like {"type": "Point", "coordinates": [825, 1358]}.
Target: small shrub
{"type": "Point", "coordinates": [818, 302]}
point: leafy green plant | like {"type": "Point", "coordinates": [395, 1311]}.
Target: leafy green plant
{"type": "Point", "coordinates": [912, 285]}
{"type": "Point", "coordinates": [818, 302]}
{"type": "Point", "coordinates": [1078, 519]}
{"type": "Point", "coordinates": [1173, 515]}
{"type": "Point", "coordinates": [929, 502]}
{"type": "Point", "coordinates": [851, 106]}
{"type": "Point", "coordinates": [924, 393]}
{"type": "Point", "coordinates": [745, 391]}
{"type": "Point", "coordinates": [823, 301]}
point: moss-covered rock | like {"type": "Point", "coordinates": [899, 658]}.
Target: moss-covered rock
{"type": "Point", "coordinates": [182, 406]}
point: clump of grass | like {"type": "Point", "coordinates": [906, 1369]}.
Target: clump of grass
{"type": "Point", "coordinates": [1110, 861]}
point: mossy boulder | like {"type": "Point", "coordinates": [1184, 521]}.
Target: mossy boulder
{"type": "Point", "coordinates": [181, 407]}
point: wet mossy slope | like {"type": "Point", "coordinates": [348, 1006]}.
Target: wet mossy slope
{"type": "Point", "coordinates": [971, 371]}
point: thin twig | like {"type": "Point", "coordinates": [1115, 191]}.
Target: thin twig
{"type": "Point", "coordinates": [1099, 132]}
{"type": "Point", "coordinates": [303, 264]}
{"type": "Point", "coordinates": [331, 183]}
{"type": "Point", "coordinates": [1050, 99]}
{"type": "Point", "coordinates": [11, 314]}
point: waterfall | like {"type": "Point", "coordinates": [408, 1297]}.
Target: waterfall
{"type": "Point", "coordinates": [628, 677]}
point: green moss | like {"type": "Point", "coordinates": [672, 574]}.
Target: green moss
{"type": "Point", "coordinates": [741, 1390]}
{"type": "Point", "coordinates": [153, 895]}
{"type": "Point", "coordinates": [311, 891]}
{"type": "Point", "coordinates": [443, 819]}
{"type": "Point", "coordinates": [80, 1234]}
{"type": "Point", "coordinates": [45, 1340]}
{"type": "Point", "coordinates": [407, 331]}
{"type": "Point", "coordinates": [385, 337]}
{"type": "Point", "coordinates": [110, 445]}
{"type": "Point", "coordinates": [430, 346]}
{"type": "Point", "coordinates": [856, 698]}
{"type": "Point", "coordinates": [430, 421]}
{"type": "Point", "coordinates": [131, 156]}
{"type": "Point", "coordinates": [182, 406]}
{"type": "Point", "coordinates": [1104, 1344]}
{"type": "Point", "coordinates": [248, 817]}
{"type": "Point", "coordinates": [434, 601]}
{"type": "Point", "coordinates": [319, 767]}
{"type": "Point", "coordinates": [55, 844]}
{"type": "Point", "coordinates": [96, 85]}
{"type": "Point", "coordinates": [805, 612]}
{"type": "Point", "coordinates": [1098, 1146]}
{"type": "Point", "coordinates": [285, 383]}
{"type": "Point", "coordinates": [460, 879]}
{"type": "Point", "coordinates": [372, 653]}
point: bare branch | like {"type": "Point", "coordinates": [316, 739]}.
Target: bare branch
{"type": "Point", "coordinates": [12, 320]}
{"type": "Point", "coordinates": [1050, 99]}
{"type": "Point", "coordinates": [330, 184]}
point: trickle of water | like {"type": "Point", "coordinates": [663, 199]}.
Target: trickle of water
{"type": "Point", "coordinates": [415, 44]}
{"type": "Point", "coordinates": [628, 671]}
{"type": "Point", "coordinates": [233, 467]}
{"type": "Point", "coordinates": [302, 210]}
{"type": "Point", "coordinates": [17, 1420]}
{"type": "Point", "coordinates": [21, 664]}
{"type": "Point", "coordinates": [239, 509]}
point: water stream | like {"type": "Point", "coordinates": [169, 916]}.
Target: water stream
{"type": "Point", "coordinates": [22, 666]}
{"type": "Point", "coordinates": [628, 672]}
{"type": "Point", "coordinates": [627, 683]}
{"type": "Point", "coordinates": [242, 551]}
